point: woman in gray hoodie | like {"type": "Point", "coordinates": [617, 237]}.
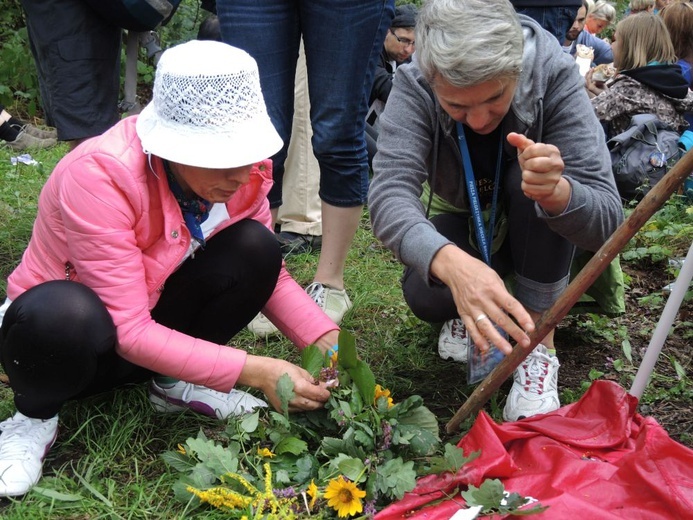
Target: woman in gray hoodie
{"type": "Point", "coordinates": [493, 90]}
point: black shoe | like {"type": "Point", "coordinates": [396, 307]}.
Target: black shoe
{"type": "Point", "coordinates": [295, 244]}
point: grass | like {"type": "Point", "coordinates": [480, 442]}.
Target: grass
{"type": "Point", "coordinates": [106, 463]}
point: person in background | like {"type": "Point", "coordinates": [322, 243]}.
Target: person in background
{"type": "Point", "coordinates": [576, 35]}
{"type": "Point", "coordinates": [398, 47]}
{"type": "Point", "coordinates": [648, 80]}
{"type": "Point", "coordinates": [556, 17]}
{"type": "Point", "coordinates": [660, 5]}
{"type": "Point", "coordinates": [479, 177]}
{"type": "Point", "coordinates": [599, 17]}
{"type": "Point", "coordinates": [156, 286]}
{"type": "Point", "coordinates": [19, 135]}
{"type": "Point", "coordinates": [638, 6]}
{"type": "Point", "coordinates": [77, 55]}
{"type": "Point", "coordinates": [678, 17]}
{"type": "Point", "coordinates": [342, 42]}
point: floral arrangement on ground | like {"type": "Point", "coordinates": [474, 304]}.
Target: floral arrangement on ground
{"type": "Point", "coordinates": [352, 458]}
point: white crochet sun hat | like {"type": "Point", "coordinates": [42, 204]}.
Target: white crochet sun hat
{"type": "Point", "coordinates": [207, 108]}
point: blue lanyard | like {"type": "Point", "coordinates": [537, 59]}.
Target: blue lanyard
{"type": "Point", "coordinates": [484, 238]}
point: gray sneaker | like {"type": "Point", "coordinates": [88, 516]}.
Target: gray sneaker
{"type": "Point", "coordinates": [453, 343]}
{"type": "Point", "coordinates": [334, 302]}
{"type": "Point", "coordinates": [24, 443]}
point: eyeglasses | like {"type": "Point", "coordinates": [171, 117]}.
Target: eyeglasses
{"type": "Point", "coordinates": [404, 41]}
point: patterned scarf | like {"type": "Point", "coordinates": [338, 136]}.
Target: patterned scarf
{"type": "Point", "coordinates": [195, 209]}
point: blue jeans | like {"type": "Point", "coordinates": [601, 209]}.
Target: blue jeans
{"type": "Point", "coordinates": [342, 40]}
{"type": "Point", "coordinates": [556, 20]}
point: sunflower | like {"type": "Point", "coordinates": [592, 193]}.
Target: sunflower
{"type": "Point", "coordinates": [344, 497]}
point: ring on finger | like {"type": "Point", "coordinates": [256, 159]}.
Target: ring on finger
{"type": "Point", "coordinates": [480, 317]}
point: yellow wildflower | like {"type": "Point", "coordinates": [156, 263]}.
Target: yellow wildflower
{"type": "Point", "coordinates": [181, 449]}
{"type": "Point", "coordinates": [383, 392]}
{"type": "Point", "coordinates": [265, 452]}
{"type": "Point", "coordinates": [344, 497]}
{"type": "Point", "coordinates": [221, 498]}
{"type": "Point", "coordinates": [313, 493]}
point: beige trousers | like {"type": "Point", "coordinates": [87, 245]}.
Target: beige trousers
{"type": "Point", "coordinates": [300, 211]}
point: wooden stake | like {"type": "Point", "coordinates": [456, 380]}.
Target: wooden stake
{"type": "Point", "coordinates": [647, 207]}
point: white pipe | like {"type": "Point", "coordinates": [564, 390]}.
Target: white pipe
{"type": "Point", "coordinates": [669, 313]}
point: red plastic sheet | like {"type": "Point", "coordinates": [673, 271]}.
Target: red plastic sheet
{"type": "Point", "coordinates": [597, 458]}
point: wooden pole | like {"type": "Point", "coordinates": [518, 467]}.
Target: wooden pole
{"type": "Point", "coordinates": [647, 207]}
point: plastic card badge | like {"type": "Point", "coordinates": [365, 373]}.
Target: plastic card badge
{"type": "Point", "coordinates": [480, 364]}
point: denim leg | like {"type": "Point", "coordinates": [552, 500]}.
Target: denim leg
{"type": "Point", "coordinates": [268, 30]}
{"type": "Point", "coordinates": [556, 20]}
{"type": "Point", "coordinates": [343, 41]}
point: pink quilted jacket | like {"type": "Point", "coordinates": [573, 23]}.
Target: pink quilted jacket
{"type": "Point", "coordinates": [108, 220]}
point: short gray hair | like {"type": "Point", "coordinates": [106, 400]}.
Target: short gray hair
{"type": "Point", "coordinates": [468, 42]}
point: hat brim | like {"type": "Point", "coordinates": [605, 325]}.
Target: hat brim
{"type": "Point", "coordinates": [251, 142]}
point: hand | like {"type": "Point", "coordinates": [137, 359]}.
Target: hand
{"type": "Point", "coordinates": [263, 373]}
{"type": "Point", "coordinates": [542, 173]}
{"type": "Point", "coordinates": [594, 88]}
{"type": "Point", "coordinates": [478, 290]}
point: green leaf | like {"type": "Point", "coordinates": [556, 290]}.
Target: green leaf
{"type": "Point", "coordinates": [364, 379]}
{"type": "Point", "coordinates": [627, 350]}
{"type": "Point", "coordinates": [422, 418]}
{"type": "Point", "coordinates": [347, 350]}
{"type": "Point", "coordinates": [489, 495]}
{"type": "Point", "coordinates": [285, 392]}
{"type": "Point", "coordinates": [395, 478]}
{"type": "Point", "coordinates": [421, 442]}
{"type": "Point", "coordinates": [292, 445]}
{"type": "Point", "coordinates": [352, 468]}
{"type": "Point", "coordinates": [454, 456]}
{"type": "Point", "coordinates": [312, 360]}
{"type": "Point", "coordinates": [218, 459]}
{"type": "Point", "coordinates": [250, 422]}
{"type": "Point", "coordinates": [178, 461]}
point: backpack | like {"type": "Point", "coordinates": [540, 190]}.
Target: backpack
{"type": "Point", "coordinates": [642, 154]}
{"type": "Point", "coordinates": [136, 15]}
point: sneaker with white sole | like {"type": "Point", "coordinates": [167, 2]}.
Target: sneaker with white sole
{"type": "Point", "coordinates": [24, 443]}
{"type": "Point", "coordinates": [453, 343]}
{"type": "Point", "coordinates": [262, 326]}
{"type": "Point", "coordinates": [535, 386]}
{"type": "Point", "coordinates": [179, 396]}
{"type": "Point", "coordinates": [334, 302]}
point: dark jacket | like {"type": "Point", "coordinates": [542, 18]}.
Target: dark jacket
{"type": "Point", "coordinates": [656, 89]}
{"type": "Point", "coordinates": [384, 72]}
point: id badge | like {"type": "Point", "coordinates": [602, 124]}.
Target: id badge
{"type": "Point", "coordinates": [480, 364]}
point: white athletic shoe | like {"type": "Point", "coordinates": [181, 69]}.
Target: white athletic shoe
{"type": "Point", "coordinates": [24, 443]}
{"type": "Point", "coordinates": [180, 396]}
{"type": "Point", "coordinates": [535, 386]}
{"type": "Point", "coordinates": [453, 343]}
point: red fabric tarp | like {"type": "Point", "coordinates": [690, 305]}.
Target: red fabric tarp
{"type": "Point", "coordinates": [596, 457]}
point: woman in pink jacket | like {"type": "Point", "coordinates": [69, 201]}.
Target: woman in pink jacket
{"type": "Point", "coordinates": [152, 248]}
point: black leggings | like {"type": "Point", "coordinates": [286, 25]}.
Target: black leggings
{"type": "Point", "coordinates": [57, 340]}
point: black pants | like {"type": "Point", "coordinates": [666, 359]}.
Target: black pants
{"type": "Point", "coordinates": [530, 250]}
{"type": "Point", "coordinates": [57, 340]}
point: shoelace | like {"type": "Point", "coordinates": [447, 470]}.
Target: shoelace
{"type": "Point", "coordinates": [536, 370]}
{"type": "Point", "coordinates": [316, 291]}
{"type": "Point", "coordinates": [21, 438]}
{"type": "Point", "coordinates": [457, 330]}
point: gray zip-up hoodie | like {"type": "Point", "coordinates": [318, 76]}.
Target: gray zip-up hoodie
{"type": "Point", "coordinates": [550, 105]}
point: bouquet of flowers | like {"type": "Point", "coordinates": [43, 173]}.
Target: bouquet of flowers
{"type": "Point", "coordinates": [360, 452]}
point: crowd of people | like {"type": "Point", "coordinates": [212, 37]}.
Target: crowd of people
{"type": "Point", "coordinates": [471, 116]}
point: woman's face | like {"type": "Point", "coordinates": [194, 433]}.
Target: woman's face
{"type": "Point", "coordinates": [481, 107]}
{"type": "Point", "coordinates": [595, 25]}
{"type": "Point", "coordinates": [212, 184]}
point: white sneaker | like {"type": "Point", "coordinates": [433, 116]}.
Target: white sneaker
{"type": "Point", "coordinates": [181, 395]}
{"type": "Point", "coordinates": [453, 342]}
{"type": "Point", "coordinates": [24, 443]}
{"type": "Point", "coordinates": [262, 326]}
{"type": "Point", "coordinates": [535, 386]}
{"type": "Point", "coordinates": [334, 302]}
